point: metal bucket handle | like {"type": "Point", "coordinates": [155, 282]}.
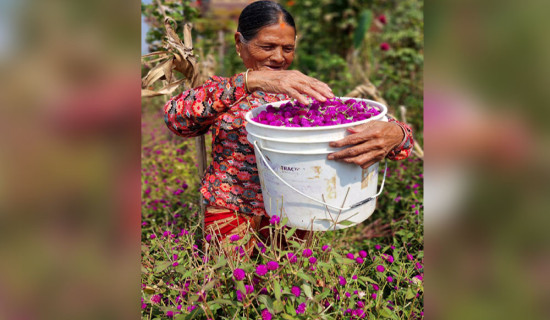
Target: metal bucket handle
{"type": "Point", "coordinates": [319, 201]}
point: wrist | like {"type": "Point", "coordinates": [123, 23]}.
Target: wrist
{"type": "Point", "coordinates": [401, 141]}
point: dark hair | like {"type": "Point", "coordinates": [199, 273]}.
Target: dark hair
{"type": "Point", "coordinates": [260, 14]}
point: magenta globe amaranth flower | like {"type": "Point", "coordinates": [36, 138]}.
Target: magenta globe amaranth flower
{"type": "Point", "coordinates": [153, 236]}
{"type": "Point", "coordinates": [350, 256]}
{"type": "Point", "coordinates": [384, 46]}
{"type": "Point", "coordinates": [359, 260]}
{"type": "Point", "coordinates": [155, 299]}
{"type": "Point", "coordinates": [170, 314]}
{"type": "Point", "coordinates": [377, 247]}
{"type": "Point", "coordinates": [274, 220]}
{"type": "Point", "coordinates": [272, 265]}
{"type": "Point", "coordinates": [382, 19]}
{"type": "Point", "coordinates": [326, 248]}
{"type": "Point", "coordinates": [307, 253]}
{"type": "Point", "coordinates": [239, 274]}
{"type": "Point", "coordinates": [363, 254]}
{"type": "Point", "coordinates": [312, 260]}
{"type": "Point", "coordinates": [261, 270]}
{"type": "Point", "coordinates": [291, 257]}
{"type": "Point", "coordinates": [266, 315]}
{"type": "Point", "coordinates": [234, 238]}
{"type": "Point", "coordinates": [389, 278]}
{"type": "Point", "coordinates": [301, 308]}
{"type": "Point", "coordinates": [296, 291]}
{"type": "Point", "coordinates": [342, 281]}
{"type": "Point", "coordinates": [380, 268]}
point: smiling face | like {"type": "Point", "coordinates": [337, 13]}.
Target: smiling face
{"type": "Point", "coordinates": [271, 49]}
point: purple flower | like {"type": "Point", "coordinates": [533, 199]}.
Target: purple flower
{"type": "Point", "coordinates": [418, 266]}
{"type": "Point", "coordinates": [326, 248]}
{"type": "Point", "coordinates": [263, 291]}
{"type": "Point", "coordinates": [175, 264]}
{"type": "Point", "coordinates": [389, 278]}
{"type": "Point", "coordinates": [291, 257]}
{"type": "Point", "coordinates": [312, 260]}
{"type": "Point", "coordinates": [363, 253]}
{"type": "Point", "coordinates": [373, 295]}
{"type": "Point", "coordinates": [153, 236]}
{"type": "Point", "coordinates": [234, 238]}
{"type": "Point", "coordinates": [301, 308]}
{"type": "Point", "coordinates": [272, 265]}
{"type": "Point", "coordinates": [377, 247]}
{"type": "Point", "coordinates": [360, 304]}
{"type": "Point", "coordinates": [347, 294]}
{"type": "Point", "coordinates": [170, 314]}
{"type": "Point", "coordinates": [384, 46]}
{"type": "Point", "coordinates": [208, 237]}
{"type": "Point", "coordinates": [307, 253]}
{"type": "Point", "coordinates": [274, 220]}
{"type": "Point", "coordinates": [191, 308]}
{"type": "Point", "coordinates": [354, 277]}
{"type": "Point", "coordinates": [350, 256]}
{"type": "Point", "coordinates": [239, 295]}
{"type": "Point", "coordinates": [359, 260]}
{"type": "Point", "coordinates": [342, 281]}
{"type": "Point", "coordinates": [249, 288]}
{"type": "Point", "coordinates": [261, 270]}
{"type": "Point", "coordinates": [382, 19]}
{"type": "Point", "coordinates": [380, 268]}
{"type": "Point", "coordinates": [239, 274]}
{"type": "Point", "coordinates": [410, 257]}
{"type": "Point", "coordinates": [155, 299]}
{"type": "Point", "coordinates": [375, 287]}
{"type": "Point", "coordinates": [266, 315]}
{"type": "Point", "coordinates": [296, 291]}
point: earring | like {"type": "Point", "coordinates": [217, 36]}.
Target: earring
{"type": "Point", "coordinates": [239, 54]}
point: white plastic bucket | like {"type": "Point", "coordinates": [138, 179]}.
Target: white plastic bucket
{"type": "Point", "coordinates": [300, 183]}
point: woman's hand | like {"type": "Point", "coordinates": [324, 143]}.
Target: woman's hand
{"type": "Point", "coordinates": [369, 143]}
{"type": "Point", "coordinates": [290, 82]}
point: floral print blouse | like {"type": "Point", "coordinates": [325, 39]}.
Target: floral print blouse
{"type": "Point", "coordinates": [231, 181]}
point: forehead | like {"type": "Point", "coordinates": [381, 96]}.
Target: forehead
{"type": "Point", "coordinates": [279, 33]}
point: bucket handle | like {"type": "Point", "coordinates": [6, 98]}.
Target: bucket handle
{"type": "Point", "coordinates": [319, 201]}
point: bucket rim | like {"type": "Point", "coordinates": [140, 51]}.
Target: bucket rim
{"type": "Point", "coordinates": [383, 111]}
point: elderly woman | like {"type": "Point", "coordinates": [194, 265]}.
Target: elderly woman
{"type": "Point", "coordinates": [265, 41]}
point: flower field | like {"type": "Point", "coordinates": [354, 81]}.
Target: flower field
{"type": "Point", "coordinates": [370, 271]}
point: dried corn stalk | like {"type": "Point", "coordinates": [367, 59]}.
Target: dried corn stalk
{"type": "Point", "coordinates": [177, 56]}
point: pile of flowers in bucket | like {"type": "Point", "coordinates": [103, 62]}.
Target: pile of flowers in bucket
{"type": "Point", "coordinates": [186, 277]}
{"type": "Point", "coordinates": [317, 114]}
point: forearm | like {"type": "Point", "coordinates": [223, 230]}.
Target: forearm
{"type": "Point", "coordinates": [192, 112]}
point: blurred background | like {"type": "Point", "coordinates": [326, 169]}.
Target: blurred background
{"type": "Point", "coordinates": [70, 150]}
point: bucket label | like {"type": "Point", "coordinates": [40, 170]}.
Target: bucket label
{"type": "Point", "coordinates": [366, 176]}
{"type": "Point", "coordinates": [290, 169]}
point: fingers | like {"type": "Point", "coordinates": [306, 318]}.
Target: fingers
{"type": "Point", "coordinates": [360, 133]}
{"type": "Point", "coordinates": [365, 160]}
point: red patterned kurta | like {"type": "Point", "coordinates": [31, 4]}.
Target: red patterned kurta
{"type": "Point", "coordinates": [231, 181]}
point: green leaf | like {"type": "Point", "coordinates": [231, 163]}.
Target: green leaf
{"type": "Point", "coordinates": [240, 286]}
{"type": "Point", "coordinates": [278, 306]}
{"type": "Point", "coordinates": [209, 285]}
{"type": "Point", "coordinates": [277, 289]}
{"type": "Point", "coordinates": [222, 262]}
{"type": "Point", "coordinates": [290, 233]}
{"type": "Point", "coordinates": [410, 294]}
{"type": "Point", "coordinates": [267, 301]}
{"type": "Point", "coordinates": [307, 290]}
{"type": "Point", "coordinates": [162, 266]}
{"type": "Point", "coordinates": [306, 277]}
{"type": "Point", "coordinates": [346, 223]}
{"type": "Point", "coordinates": [362, 26]}
{"type": "Point", "coordinates": [386, 313]}
{"type": "Point", "coordinates": [321, 296]}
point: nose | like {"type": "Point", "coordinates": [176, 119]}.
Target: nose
{"type": "Point", "coordinates": [278, 56]}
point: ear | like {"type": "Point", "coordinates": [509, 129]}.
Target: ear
{"type": "Point", "coordinates": [238, 43]}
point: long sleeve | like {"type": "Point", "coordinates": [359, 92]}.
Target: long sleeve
{"type": "Point", "coordinates": [403, 151]}
{"type": "Point", "coordinates": [192, 112]}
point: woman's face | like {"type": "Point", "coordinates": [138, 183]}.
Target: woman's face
{"type": "Point", "coordinates": [271, 49]}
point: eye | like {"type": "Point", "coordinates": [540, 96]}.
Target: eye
{"type": "Point", "coordinates": [267, 48]}
{"type": "Point", "coordinates": [288, 49]}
